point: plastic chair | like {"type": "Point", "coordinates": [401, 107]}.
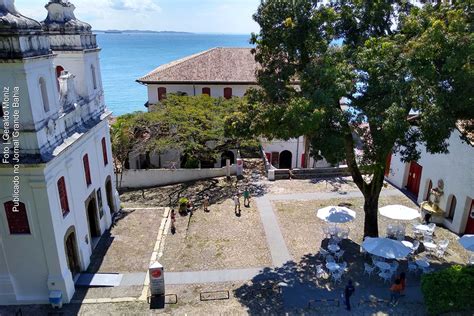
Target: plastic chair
{"type": "Point", "coordinates": [343, 266]}
{"type": "Point", "coordinates": [320, 271]}
{"type": "Point", "coordinates": [470, 260]}
{"type": "Point", "coordinates": [339, 254]}
{"type": "Point", "coordinates": [416, 245]}
{"type": "Point", "coordinates": [386, 276]}
{"type": "Point", "coordinates": [330, 258]}
{"type": "Point", "coordinates": [412, 267]}
{"type": "Point", "coordinates": [336, 276]}
{"type": "Point", "coordinates": [394, 267]}
{"type": "Point", "coordinates": [323, 252]}
{"type": "Point", "coordinates": [368, 269]}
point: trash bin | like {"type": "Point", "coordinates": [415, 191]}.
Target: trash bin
{"type": "Point", "coordinates": [157, 279]}
{"type": "Point", "coordinates": [56, 299]}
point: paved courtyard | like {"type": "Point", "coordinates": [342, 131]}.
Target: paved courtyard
{"type": "Point", "coordinates": [241, 260]}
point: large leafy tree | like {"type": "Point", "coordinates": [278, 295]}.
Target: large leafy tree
{"type": "Point", "coordinates": [348, 73]}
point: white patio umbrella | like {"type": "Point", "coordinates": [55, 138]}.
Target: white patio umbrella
{"type": "Point", "coordinates": [336, 214]}
{"type": "Point", "coordinates": [399, 212]}
{"type": "Point", "coordinates": [386, 248]}
{"type": "Point", "coordinates": [467, 241]}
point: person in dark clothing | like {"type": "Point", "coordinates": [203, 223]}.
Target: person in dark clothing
{"type": "Point", "coordinates": [348, 291]}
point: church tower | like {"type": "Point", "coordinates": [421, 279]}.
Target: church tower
{"type": "Point", "coordinates": [57, 196]}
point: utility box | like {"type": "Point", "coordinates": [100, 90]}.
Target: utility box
{"type": "Point", "coordinates": [56, 299]}
{"type": "Point", "coordinates": [157, 279]}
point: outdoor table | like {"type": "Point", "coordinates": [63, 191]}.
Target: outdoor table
{"type": "Point", "coordinates": [422, 228]}
{"type": "Point", "coordinates": [422, 263]}
{"type": "Point", "coordinates": [332, 266]}
{"type": "Point", "coordinates": [407, 243]}
{"type": "Point", "coordinates": [334, 248]}
{"type": "Point", "coordinates": [429, 245]}
{"type": "Point", "coordinates": [383, 266]}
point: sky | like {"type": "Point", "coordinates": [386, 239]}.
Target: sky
{"type": "Point", "coordinates": [198, 16]}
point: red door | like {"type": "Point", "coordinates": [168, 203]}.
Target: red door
{"type": "Point", "coordinates": [470, 220]}
{"type": "Point", "coordinates": [269, 157]}
{"type": "Point", "coordinates": [414, 178]}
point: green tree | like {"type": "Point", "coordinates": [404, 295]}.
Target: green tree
{"type": "Point", "coordinates": [347, 75]}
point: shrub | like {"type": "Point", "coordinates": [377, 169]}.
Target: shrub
{"type": "Point", "coordinates": [183, 201]}
{"type": "Point", "coordinates": [449, 290]}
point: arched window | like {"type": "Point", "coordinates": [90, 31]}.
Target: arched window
{"type": "Point", "coordinates": [44, 94]}
{"type": "Point", "coordinates": [87, 170]}
{"type": "Point", "coordinates": [17, 218]}
{"type": "Point", "coordinates": [63, 196]}
{"type": "Point", "coordinates": [428, 192]}
{"type": "Point", "coordinates": [227, 93]}
{"type": "Point", "coordinates": [59, 70]}
{"type": "Point", "coordinates": [206, 90]}
{"type": "Point", "coordinates": [161, 93]}
{"type": "Point", "coordinates": [451, 207]}
{"type": "Point", "coordinates": [94, 77]}
{"type": "Point", "coordinates": [104, 152]}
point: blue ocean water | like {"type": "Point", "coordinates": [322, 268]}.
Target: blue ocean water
{"type": "Point", "coordinates": [126, 57]}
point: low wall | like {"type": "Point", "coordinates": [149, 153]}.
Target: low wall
{"type": "Point", "coordinates": [145, 178]}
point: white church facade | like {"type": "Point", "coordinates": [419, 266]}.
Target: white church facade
{"type": "Point", "coordinates": [57, 192]}
{"type": "Point", "coordinates": [221, 72]}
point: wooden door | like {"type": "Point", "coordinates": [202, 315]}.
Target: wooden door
{"type": "Point", "coordinates": [470, 220]}
{"type": "Point", "coordinates": [72, 258]}
{"type": "Point", "coordinates": [414, 178]}
{"type": "Point", "coordinates": [275, 159]}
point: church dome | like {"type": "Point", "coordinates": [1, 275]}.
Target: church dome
{"type": "Point", "coordinates": [61, 19]}
{"type": "Point", "coordinates": [12, 21]}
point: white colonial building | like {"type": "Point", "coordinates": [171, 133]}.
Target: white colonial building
{"type": "Point", "coordinates": [456, 172]}
{"type": "Point", "coordinates": [220, 72]}
{"type": "Point", "coordinates": [56, 177]}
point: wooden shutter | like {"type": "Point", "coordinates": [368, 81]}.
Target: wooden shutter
{"type": "Point", "coordinates": [17, 219]}
{"type": "Point", "coordinates": [104, 152]}
{"type": "Point", "coordinates": [63, 196]}
{"type": "Point", "coordinates": [161, 93]}
{"type": "Point", "coordinates": [227, 93]}
{"type": "Point", "coordinates": [206, 90]}
{"type": "Point", "coordinates": [87, 170]}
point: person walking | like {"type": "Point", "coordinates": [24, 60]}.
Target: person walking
{"type": "Point", "coordinates": [237, 204]}
{"type": "Point", "coordinates": [348, 291]}
{"type": "Point", "coordinates": [395, 290]}
{"type": "Point", "coordinates": [206, 203]}
{"type": "Point", "coordinates": [246, 197]}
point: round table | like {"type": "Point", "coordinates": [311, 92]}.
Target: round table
{"type": "Point", "coordinates": [384, 266]}
{"type": "Point", "coordinates": [407, 244]}
{"type": "Point", "coordinates": [422, 227]}
{"type": "Point", "coordinates": [332, 266]}
{"type": "Point", "coordinates": [334, 248]}
{"type": "Point", "coordinates": [422, 263]}
{"type": "Point", "coordinates": [429, 245]}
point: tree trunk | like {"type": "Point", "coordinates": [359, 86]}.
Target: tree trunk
{"type": "Point", "coordinates": [371, 205]}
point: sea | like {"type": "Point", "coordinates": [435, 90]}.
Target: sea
{"type": "Point", "coordinates": [125, 57]}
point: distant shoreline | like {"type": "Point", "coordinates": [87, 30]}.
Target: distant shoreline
{"type": "Point", "coordinates": [139, 31]}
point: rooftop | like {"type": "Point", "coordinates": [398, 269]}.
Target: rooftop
{"type": "Point", "coordinates": [216, 65]}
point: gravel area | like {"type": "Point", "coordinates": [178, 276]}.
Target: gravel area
{"type": "Point", "coordinates": [217, 239]}
{"type": "Point", "coordinates": [129, 244]}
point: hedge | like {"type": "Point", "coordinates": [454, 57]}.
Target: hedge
{"type": "Point", "coordinates": [449, 290]}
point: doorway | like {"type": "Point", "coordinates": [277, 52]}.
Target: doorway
{"type": "Point", "coordinates": [93, 221]}
{"type": "Point", "coordinates": [72, 257]}
{"type": "Point", "coordinates": [285, 159]}
{"type": "Point", "coordinates": [470, 220]}
{"type": "Point", "coordinates": [110, 195]}
{"type": "Point", "coordinates": [414, 178]}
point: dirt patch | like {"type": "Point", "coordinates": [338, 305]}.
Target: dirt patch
{"type": "Point", "coordinates": [217, 239]}
{"type": "Point", "coordinates": [338, 184]}
{"type": "Point", "coordinates": [129, 244]}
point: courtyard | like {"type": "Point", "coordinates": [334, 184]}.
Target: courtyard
{"type": "Point", "coordinates": [263, 261]}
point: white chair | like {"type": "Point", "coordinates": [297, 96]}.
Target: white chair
{"type": "Point", "coordinates": [320, 271]}
{"type": "Point", "coordinates": [368, 269]}
{"type": "Point", "coordinates": [440, 252]}
{"type": "Point", "coordinates": [339, 254]}
{"type": "Point", "coordinates": [342, 266]}
{"type": "Point", "coordinates": [330, 258]}
{"type": "Point", "coordinates": [394, 267]}
{"type": "Point", "coordinates": [427, 236]}
{"type": "Point", "coordinates": [336, 276]}
{"type": "Point", "coordinates": [386, 276]}
{"type": "Point", "coordinates": [432, 227]}
{"type": "Point", "coordinates": [323, 252]}
{"type": "Point", "coordinates": [412, 267]}
{"type": "Point", "coordinates": [416, 245]}
{"type": "Point", "coordinates": [326, 233]}
{"type": "Point", "coordinates": [470, 260]}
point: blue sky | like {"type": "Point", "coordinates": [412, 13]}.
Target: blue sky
{"type": "Point", "coordinates": [200, 16]}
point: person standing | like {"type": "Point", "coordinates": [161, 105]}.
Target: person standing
{"type": "Point", "coordinates": [237, 204]}
{"type": "Point", "coordinates": [206, 203]}
{"type": "Point", "coordinates": [173, 221]}
{"type": "Point", "coordinates": [246, 197]}
{"type": "Point", "coordinates": [348, 291]}
{"type": "Point", "coordinates": [403, 283]}
{"type": "Point", "coordinates": [395, 290]}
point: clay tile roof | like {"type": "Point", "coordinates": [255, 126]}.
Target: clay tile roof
{"type": "Point", "coordinates": [216, 65]}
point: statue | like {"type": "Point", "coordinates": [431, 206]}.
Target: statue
{"type": "Point", "coordinates": [436, 194]}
